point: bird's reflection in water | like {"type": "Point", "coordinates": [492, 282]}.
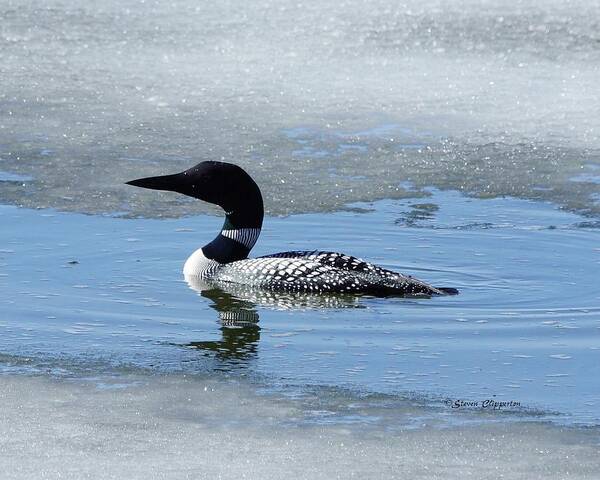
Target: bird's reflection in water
{"type": "Point", "coordinates": [236, 308]}
{"type": "Point", "coordinates": [240, 332]}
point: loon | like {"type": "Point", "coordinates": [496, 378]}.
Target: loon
{"type": "Point", "coordinates": [225, 259]}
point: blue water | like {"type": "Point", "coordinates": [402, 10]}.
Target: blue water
{"type": "Point", "coordinates": [83, 294]}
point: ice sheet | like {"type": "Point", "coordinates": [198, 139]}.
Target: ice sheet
{"type": "Point", "coordinates": [177, 427]}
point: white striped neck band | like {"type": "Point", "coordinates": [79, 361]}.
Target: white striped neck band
{"type": "Point", "coordinates": [245, 236]}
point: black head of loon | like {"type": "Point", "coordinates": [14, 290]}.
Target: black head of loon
{"type": "Point", "coordinates": [219, 183]}
{"type": "Point", "coordinates": [229, 187]}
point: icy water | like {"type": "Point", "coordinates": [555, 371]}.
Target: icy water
{"type": "Point", "coordinates": [489, 98]}
{"type": "Point", "coordinates": [456, 141]}
{"type": "Point", "coordinates": [84, 289]}
{"type": "Point", "coordinates": [101, 337]}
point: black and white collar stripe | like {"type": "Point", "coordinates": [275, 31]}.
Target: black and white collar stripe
{"type": "Point", "coordinates": [245, 236]}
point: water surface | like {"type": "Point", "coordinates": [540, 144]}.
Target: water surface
{"type": "Point", "coordinates": [524, 327]}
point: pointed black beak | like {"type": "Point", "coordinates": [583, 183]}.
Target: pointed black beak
{"type": "Point", "coordinates": [171, 183]}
